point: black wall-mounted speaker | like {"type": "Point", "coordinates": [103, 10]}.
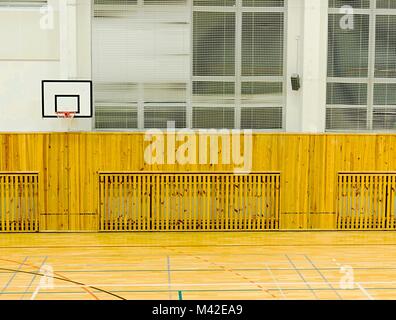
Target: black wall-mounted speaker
{"type": "Point", "coordinates": [295, 81]}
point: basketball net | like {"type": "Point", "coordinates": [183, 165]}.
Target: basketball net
{"type": "Point", "coordinates": [67, 116]}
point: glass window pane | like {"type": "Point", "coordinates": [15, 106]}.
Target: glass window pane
{"type": "Point", "coordinates": [261, 118]}
{"type": "Point", "coordinates": [214, 44]}
{"type": "Point", "coordinates": [213, 118]}
{"type": "Point", "coordinates": [159, 117]}
{"type": "Point", "coordinates": [385, 47]}
{"type": "Point", "coordinates": [347, 93]}
{"type": "Point", "coordinates": [263, 3]}
{"type": "Point", "coordinates": [262, 44]}
{"type": "Point", "coordinates": [348, 49]}
{"type": "Point", "coordinates": [346, 119]}
{"type": "Point", "coordinates": [357, 4]}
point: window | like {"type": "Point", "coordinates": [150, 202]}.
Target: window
{"type": "Point", "coordinates": [238, 64]}
{"type": "Point", "coordinates": [361, 66]}
{"type": "Point", "coordinates": [215, 64]}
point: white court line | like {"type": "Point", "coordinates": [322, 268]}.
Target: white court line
{"type": "Point", "coordinates": [276, 282]}
{"type": "Point", "coordinates": [365, 292]}
{"type": "Point", "coordinates": [35, 293]}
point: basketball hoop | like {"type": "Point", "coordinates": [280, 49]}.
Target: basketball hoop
{"type": "Point", "coordinates": [65, 115]}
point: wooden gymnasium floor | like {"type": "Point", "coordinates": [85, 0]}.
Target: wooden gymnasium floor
{"type": "Point", "coordinates": [285, 265]}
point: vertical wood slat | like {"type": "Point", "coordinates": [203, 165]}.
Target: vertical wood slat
{"type": "Point", "coordinates": [188, 201]}
{"type": "Point", "coordinates": [19, 205]}
{"type": "Point", "coordinates": [366, 201]}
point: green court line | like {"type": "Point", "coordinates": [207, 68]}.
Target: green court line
{"type": "Point", "coordinates": [323, 276]}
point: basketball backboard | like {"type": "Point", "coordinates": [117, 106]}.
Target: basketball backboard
{"type": "Point", "coordinates": [67, 96]}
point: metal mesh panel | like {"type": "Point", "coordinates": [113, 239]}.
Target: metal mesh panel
{"type": "Point", "coordinates": [214, 44]}
{"type": "Point", "coordinates": [347, 93]}
{"type": "Point", "coordinates": [261, 118]}
{"type": "Point", "coordinates": [362, 67]}
{"type": "Point", "coordinates": [142, 53]}
{"type": "Point", "coordinates": [161, 117]}
{"type": "Point", "coordinates": [223, 63]}
{"type": "Point", "coordinates": [384, 119]}
{"type": "Point", "coordinates": [386, 4]}
{"type": "Point", "coordinates": [262, 44]}
{"type": "Point", "coordinates": [348, 49]}
{"type": "Point", "coordinates": [263, 3]}
{"type": "Point", "coordinates": [351, 118]}
{"type": "Point", "coordinates": [214, 2]}
{"type": "Point", "coordinates": [213, 92]}
{"type": "Point", "coordinates": [116, 117]}
{"type": "Point", "coordinates": [262, 92]}
{"type": "Point", "coordinates": [213, 118]}
{"type": "Point", "coordinates": [385, 47]}
{"type": "Point", "coordinates": [364, 4]}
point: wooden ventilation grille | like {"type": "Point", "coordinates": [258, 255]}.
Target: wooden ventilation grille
{"type": "Point", "coordinates": [19, 202]}
{"type": "Point", "coordinates": [189, 202]}
{"type": "Point", "coordinates": [366, 201]}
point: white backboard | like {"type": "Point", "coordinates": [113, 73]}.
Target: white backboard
{"type": "Point", "coordinates": [66, 96]}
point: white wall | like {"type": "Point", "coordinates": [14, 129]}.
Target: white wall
{"type": "Point", "coordinates": [32, 50]}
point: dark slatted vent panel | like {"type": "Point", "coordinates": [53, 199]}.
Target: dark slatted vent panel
{"type": "Point", "coordinates": [384, 119]}
{"type": "Point", "coordinates": [263, 3]}
{"type": "Point", "coordinates": [385, 94]}
{"type": "Point", "coordinates": [347, 94]}
{"type": "Point", "coordinates": [164, 92]}
{"type": "Point", "coordinates": [164, 117]}
{"type": "Point", "coordinates": [385, 47]}
{"type": "Point", "coordinates": [348, 49]}
{"type": "Point", "coordinates": [213, 118]}
{"type": "Point", "coordinates": [357, 4]}
{"type": "Point", "coordinates": [386, 4]}
{"type": "Point", "coordinates": [141, 63]}
{"type": "Point", "coordinates": [356, 79]}
{"type": "Point", "coordinates": [262, 92]}
{"type": "Point", "coordinates": [214, 2]}
{"type": "Point", "coordinates": [165, 2]}
{"type": "Point", "coordinates": [262, 44]}
{"type": "Point", "coordinates": [214, 44]}
{"type": "Point", "coordinates": [116, 117]}
{"type": "Point", "coordinates": [261, 118]}
{"type": "Point", "coordinates": [351, 118]}
{"type": "Point", "coordinates": [213, 92]}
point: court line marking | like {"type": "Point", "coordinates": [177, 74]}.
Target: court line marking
{"type": "Point", "coordinates": [169, 276]}
{"type": "Point", "coordinates": [276, 282]}
{"type": "Point", "coordinates": [365, 292]}
{"type": "Point", "coordinates": [14, 275]}
{"type": "Point", "coordinates": [34, 277]}
{"type": "Point", "coordinates": [301, 276]}
{"type": "Point", "coordinates": [323, 276]}
{"type": "Point", "coordinates": [177, 285]}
